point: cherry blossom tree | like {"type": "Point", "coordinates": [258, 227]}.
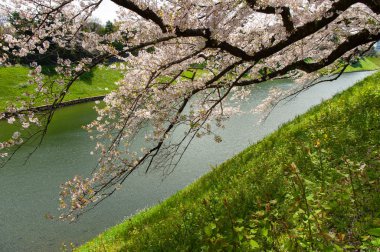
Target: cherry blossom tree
{"type": "Point", "coordinates": [182, 61]}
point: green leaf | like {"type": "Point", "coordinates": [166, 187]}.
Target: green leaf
{"type": "Point", "coordinates": [374, 232]}
{"type": "Point", "coordinates": [310, 197]}
{"type": "Point", "coordinates": [349, 247]}
{"type": "Point", "coordinates": [239, 229]}
{"type": "Point", "coordinates": [337, 248]}
{"type": "Point", "coordinates": [308, 182]}
{"type": "Point", "coordinates": [209, 228]}
{"type": "Point", "coordinates": [264, 232]}
{"type": "Point", "coordinates": [212, 225]}
{"type": "Point", "coordinates": [254, 244]}
{"type": "Point", "coordinates": [376, 242]}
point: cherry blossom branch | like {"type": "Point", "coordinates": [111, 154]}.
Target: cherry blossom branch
{"type": "Point", "coordinates": [188, 58]}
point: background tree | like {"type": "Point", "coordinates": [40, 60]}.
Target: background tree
{"type": "Point", "coordinates": [109, 27]}
{"type": "Point", "coordinates": [21, 27]}
{"type": "Point", "coordinates": [238, 44]}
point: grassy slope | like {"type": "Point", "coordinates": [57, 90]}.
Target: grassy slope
{"type": "Point", "coordinates": [313, 184]}
{"type": "Point", "coordinates": [13, 83]}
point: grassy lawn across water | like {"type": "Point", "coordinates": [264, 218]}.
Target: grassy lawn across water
{"type": "Point", "coordinates": [13, 82]}
{"type": "Point", "coordinates": [365, 64]}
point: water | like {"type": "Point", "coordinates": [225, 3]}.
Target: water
{"type": "Point", "coordinates": [28, 192]}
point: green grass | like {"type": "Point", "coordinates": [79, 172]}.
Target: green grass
{"type": "Point", "coordinates": [365, 64]}
{"type": "Point", "coordinates": [375, 60]}
{"type": "Point", "coordinates": [13, 83]}
{"type": "Point", "coordinates": [313, 185]}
